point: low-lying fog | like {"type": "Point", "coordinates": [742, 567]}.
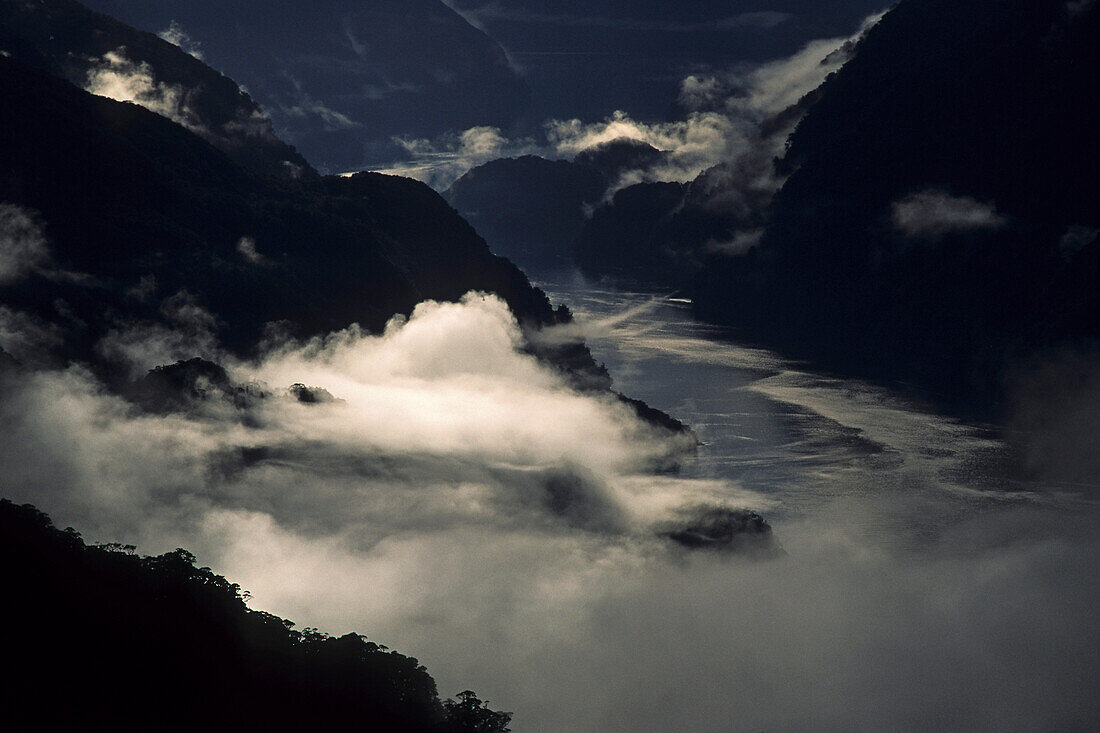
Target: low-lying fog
{"type": "Point", "coordinates": [459, 503]}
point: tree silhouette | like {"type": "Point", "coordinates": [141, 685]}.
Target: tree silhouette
{"type": "Point", "coordinates": [470, 713]}
{"type": "Point", "coordinates": [101, 637]}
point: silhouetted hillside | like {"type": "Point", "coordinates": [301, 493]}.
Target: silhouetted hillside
{"type": "Point", "coordinates": [529, 209]}
{"type": "Point", "coordinates": [937, 222]}
{"type": "Point", "coordinates": [341, 78]}
{"type": "Point", "coordinates": [615, 157]}
{"type": "Point", "coordinates": [663, 234]}
{"type": "Point", "coordinates": [555, 215]}
{"type": "Point", "coordinates": [188, 384]}
{"type": "Point", "coordinates": [941, 217]}
{"type": "Point", "coordinates": [129, 242]}
{"type": "Point", "coordinates": [97, 52]}
{"type": "Point", "coordinates": [628, 237]}
{"type": "Point", "coordinates": [101, 638]}
{"type": "Point", "coordinates": [146, 222]}
{"type": "Point", "coordinates": [532, 210]}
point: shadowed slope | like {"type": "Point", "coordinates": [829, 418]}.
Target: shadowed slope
{"type": "Point", "coordinates": [94, 51]}
{"type": "Point", "coordinates": [103, 637]}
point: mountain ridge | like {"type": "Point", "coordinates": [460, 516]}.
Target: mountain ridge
{"type": "Point", "coordinates": [107, 637]}
{"type": "Point", "coordinates": [96, 52]}
{"type": "Point", "coordinates": [344, 81]}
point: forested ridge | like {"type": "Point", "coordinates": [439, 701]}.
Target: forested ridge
{"type": "Point", "coordinates": [99, 637]}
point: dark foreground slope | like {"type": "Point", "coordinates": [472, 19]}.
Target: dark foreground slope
{"type": "Point", "coordinates": [940, 221]}
{"type": "Point", "coordinates": [95, 51]}
{"type": "Point", "coordinates": [342, 78]}
{"type": "Point", "coordinates": [100, 638]}
{"type": "Point", "coordinates": [137, 210]}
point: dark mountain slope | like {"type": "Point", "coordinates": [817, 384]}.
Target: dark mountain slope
{"type": "Point", "coordinates": [156, 239]}
{"type": "Point", "coordinates": [98, 637]}
{"type": "Point", "coordinates": [341, 78]}
{"type": "Point", "coordinates": [125, 194]}
{"type": "Point", "coordinates": [628, 236]}
{"type": "Point", "coordinates": [529, 208]}
{"type": "Point", "coordinates": [94, 51]}
{"type": "Point", "coordinates": [532, 210]}
{"type": "Point", "coordinates": [939, 223]}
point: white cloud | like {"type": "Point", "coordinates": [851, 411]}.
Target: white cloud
{"type": "Point", "coordinates": [189, 330]}
{"type": "Point", "coordinates": [27, 338]}
{"type": "Point", "coordinates": [723, 125]}
{"type": "Point", "coordinates": [725, 112]}
{"type": "Point", "coordinates": [332, 119]}
{"type": "Point", "coordinates": [773, 87]}
{"type": "Point", "coordinates": [177, 36]}
{"type": "Point", "coordinates": [119, 78]}
{"type": "Point", "coordinates": [738, 244]}
{"type": "Point", "coordinates": [251, 124]}
{"type": "Point", "coordinates": [933, 213]}
{"type": "Point", "coordinates": [442, 422]}
{"type": "Point", "coordinates": [703, 134]}
{"type": "Point", "coordinates": [23, 246]}
{"type": "Point", "coordinates": [452, 379]}
{"type": "Point", "coordinates": [246, 248]}
{"type": "Point", "coordinates": [305, 105]}
{"type": "Point", "coordinates": [25, 251]}
{"type": "Point", "coordinates": [441, 161]}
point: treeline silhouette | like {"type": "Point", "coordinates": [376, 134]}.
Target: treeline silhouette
{"type": "Point", "coordinates": [98, 637]}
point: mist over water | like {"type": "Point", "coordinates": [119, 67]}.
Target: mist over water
{"type": "Point", "coordinates": [459, 503]}
{"type": "Point", "coordinates": [437, 487]}
{"type": "Point", "coordinates": [923, 586]}
{"type": "Point", "coordinates": [777, 427]}
{"type": "Point", "coordinates": [926, 584]}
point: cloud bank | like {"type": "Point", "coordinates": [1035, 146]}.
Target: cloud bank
{"type": "Point", "coordinates": [121, 79]}
{"type": "Point", "coordinates": [933, 213]}
{"type": "Point", "coordinates": [458, 501]}
{"type": "Point", "coordinates": [23, 246]}
{"type": "Point", "coordinates": [443, 160]}
{"type": "Point", "coordinates": [441, 420]}
{"type": "Point", "coordinates": [177, 36]}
